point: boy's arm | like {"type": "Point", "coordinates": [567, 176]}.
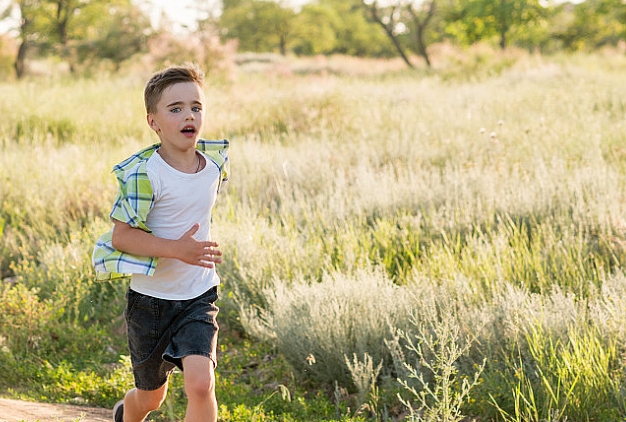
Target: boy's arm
{"type": "Point", "coordinates": [186, 248]}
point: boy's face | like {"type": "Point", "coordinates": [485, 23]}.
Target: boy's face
{"type": "Point", "coordinates": [179, 115]}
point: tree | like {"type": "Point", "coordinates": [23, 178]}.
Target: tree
{"type": "Point", "coordinates": [117, 33]}
{"type": "Point", "coordinates": [259, 26]}
{"type": "Point", "coordinates": [388, 17]}
{"type": "Point", "coordinates": [28, 32]}
{"type": "Point", "coordinates": [84, 32]}
{"type": "Point", "coordinates": [510, 14]}
{"type": "Point", "coordinates": [315, 30]}
{"type": "Point", "coordinates": [421, 17]}
{"type": "Point", "coordinates": [46, 23]}
{"type": "Point", "coordinates": [401, 17]}
{"type": "Point", "coordinates": [474, 20]}
{"type": "Point", "coordinates": [591, 24]}
{"type": "Point", "coordinates": [62, 12]}
{"type": "Point", "coordinates": [62, 27]}
{"type": "Point", "coordinates": [355, 33]}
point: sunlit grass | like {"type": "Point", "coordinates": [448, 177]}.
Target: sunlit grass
{"type": "Point", "coordinates": [359, 205]}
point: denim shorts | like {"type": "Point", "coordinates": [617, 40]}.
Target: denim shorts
{"type": "Point", "coordinates": [162, 332]}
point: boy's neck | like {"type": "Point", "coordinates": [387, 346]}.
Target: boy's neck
{"type": "Point", "coordinates": [184, 161]}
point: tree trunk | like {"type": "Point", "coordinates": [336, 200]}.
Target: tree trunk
{"type": "Point", "coordinates": [504, 24]}
{"type": "Point", "coordinates": [421, 46]}
{"type": "Point", "coordinates": [65, 10]}
{"type": "Point", "coordinates": [389, 31]}
{"type": "Point", "coordinates": [20, 60]}
{"type": "Point", "coordinates": [396, 43]}
{"type": "Point", "coordinates": [421, 27]}
{"type": "Point", "coordinates": [283, 45]}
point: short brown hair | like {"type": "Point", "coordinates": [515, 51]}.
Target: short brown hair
{"type": "Point", "coordinates": [168, 77]}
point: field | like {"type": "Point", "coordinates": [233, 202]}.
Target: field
{"type": "Point", "coordinates": [440, 245]}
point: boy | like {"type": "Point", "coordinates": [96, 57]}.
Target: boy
{"type": "Point", "coordinates": [161, 236]}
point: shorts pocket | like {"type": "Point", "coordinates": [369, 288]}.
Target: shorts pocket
{"type": "Point", "coordinates": [133, 301]}
{"type": "Point", "coordinates": [142, 320]}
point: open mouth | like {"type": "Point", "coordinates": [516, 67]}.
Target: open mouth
{"type": "Point", "coordinates": [189, 130]}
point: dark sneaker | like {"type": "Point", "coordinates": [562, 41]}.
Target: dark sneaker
{"type": "Point", "coordinates": [118, 411]}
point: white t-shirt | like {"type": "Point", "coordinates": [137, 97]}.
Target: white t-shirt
{"type": "Point", "coordinates": [180, 201]}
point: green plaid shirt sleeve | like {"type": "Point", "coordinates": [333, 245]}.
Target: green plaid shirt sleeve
{"type": "Point", "coordinates": [132, 205]}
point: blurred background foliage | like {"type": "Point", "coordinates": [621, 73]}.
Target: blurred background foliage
{"type": "Point", "coordinates": [92, 36]}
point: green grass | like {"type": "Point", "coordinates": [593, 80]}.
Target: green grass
{"type": "Point", "coordinates": [444, 245]}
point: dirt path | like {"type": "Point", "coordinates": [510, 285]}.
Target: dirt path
{"type": "Point", "coordinates": [15, 411]}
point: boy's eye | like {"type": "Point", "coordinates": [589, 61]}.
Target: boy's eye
{"type": "Point", "coordinates": [175, 110]}
{"type": "Point", "coordinates": [196, 109]}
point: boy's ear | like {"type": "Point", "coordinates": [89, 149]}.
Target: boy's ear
{"type": "Point", "coordinates": [152, 123]}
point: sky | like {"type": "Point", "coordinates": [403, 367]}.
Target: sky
{"type": "Point", "coordinates": [178, 12]}
{"type": "Point", "coordinates": [182, 13]}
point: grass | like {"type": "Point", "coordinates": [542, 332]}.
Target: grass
{"type": "Point", "coordinates": [445, 245]}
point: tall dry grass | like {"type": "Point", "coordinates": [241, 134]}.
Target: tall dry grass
{"type": "Point", "coordinates": [452, 240]}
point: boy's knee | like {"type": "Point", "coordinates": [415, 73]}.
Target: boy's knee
{"type": "Point", "coordinates": [199, 377]}
{"type": "Point", "coordinates": [150, 400]}
{"type": "Point", "coordinates": [200, 386]}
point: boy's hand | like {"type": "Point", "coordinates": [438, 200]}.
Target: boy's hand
{"type": "Point", "coordinates": [194, 252]}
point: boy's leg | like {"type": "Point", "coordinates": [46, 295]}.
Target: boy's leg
{"type": "Point", "coordinates": [139, 403]}
{"type": "Point", "coordinates": [199, 375]}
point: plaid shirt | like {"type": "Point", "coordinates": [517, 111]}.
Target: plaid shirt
{"type": "Point", "coordinates": [133, 203]}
